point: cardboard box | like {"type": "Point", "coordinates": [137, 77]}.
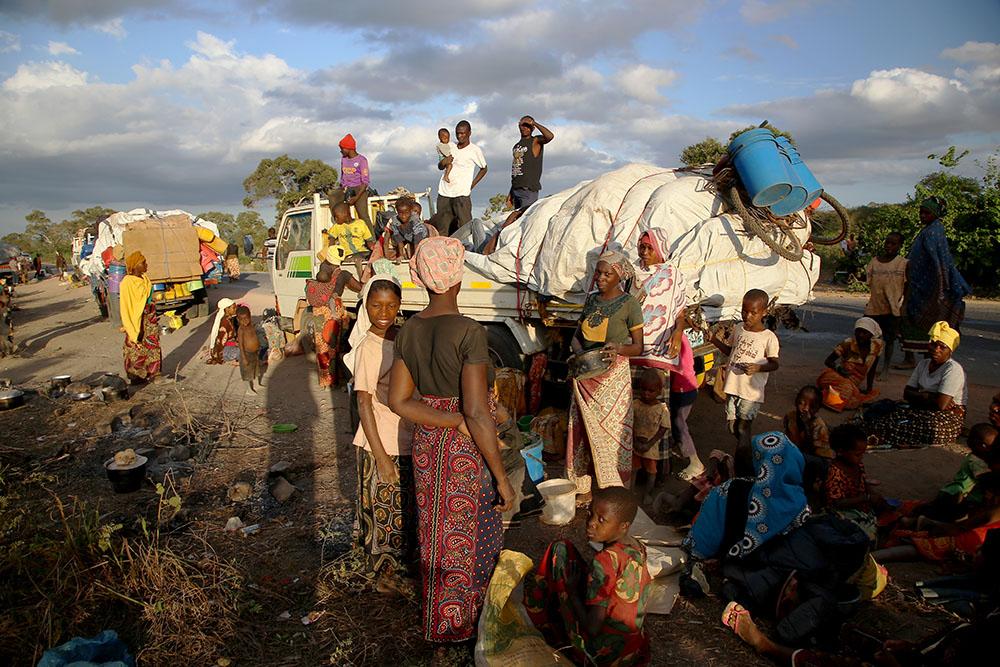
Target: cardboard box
{"type": "Point", "coordinates": [169, 244]}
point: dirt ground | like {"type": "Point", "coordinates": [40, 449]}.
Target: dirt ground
{"type": "Point", "coordinates": [298, 561]}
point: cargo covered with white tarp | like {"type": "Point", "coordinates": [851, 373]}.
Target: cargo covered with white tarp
{"type": "Point", "coordinates": [551, 249]}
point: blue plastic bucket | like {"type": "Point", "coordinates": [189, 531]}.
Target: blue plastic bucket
{"type": "Point", "coordinates": [805, 187]}
{"type": "Point", "coordinates": [761, 166]}
{"type": "Point", "coordinates": [532, 454]}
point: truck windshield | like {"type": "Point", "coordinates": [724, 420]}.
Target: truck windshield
{"type": "Point", "coordinates": [294, 236]}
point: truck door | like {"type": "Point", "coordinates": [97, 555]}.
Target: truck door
{"type": "Point", "coordinates": [293, 260]}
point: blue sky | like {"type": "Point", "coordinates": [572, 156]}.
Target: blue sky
{"type": "Point", "coordinates": [171, 104]}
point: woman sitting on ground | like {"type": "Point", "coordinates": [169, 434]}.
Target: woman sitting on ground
{"type": "Point", "coordinates": [850, 369]}
{"type": "Point", "coordinates": [933, 410]}
{"type": "Point", "coordinates": [759, 526]}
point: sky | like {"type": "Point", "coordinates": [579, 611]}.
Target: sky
{"type": "Point", "coordinates": [128, 103]}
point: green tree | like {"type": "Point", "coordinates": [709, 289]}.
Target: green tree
{"type": "Point", "coordinates": [775, 130]}
{"type": "Point", "coordinates": [287, 180]}
{"type": "Point", "coordinates": [497, 207]}
{"type": "Point", "coordinates": [706, 151]}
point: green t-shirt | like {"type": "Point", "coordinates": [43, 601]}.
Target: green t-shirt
{"type": "Point", "coordinates": [963, 484]}
{"type": "Point", "coordinates": [597, 327]}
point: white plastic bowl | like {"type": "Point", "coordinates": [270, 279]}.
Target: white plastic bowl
{"type": "Point", "coordinates": [560, 501]}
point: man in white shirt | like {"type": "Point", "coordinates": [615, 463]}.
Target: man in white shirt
{"type": "Point", "coordinates": [454, 202]}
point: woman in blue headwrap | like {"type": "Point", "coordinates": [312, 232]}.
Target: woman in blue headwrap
{"type": "Point", "coordinates": [934, 289]}
{"type": "Point", "coordinates": [760, 527]}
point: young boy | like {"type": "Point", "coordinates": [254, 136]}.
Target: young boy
{"type": "Point", "coordinates": [650, 422]}
{"type": "Point", "coordinates": [598, 611]}
{"type": "Point", "coordinates": [887, 282]}
{"type": "Point", "coordinates": [251, 363]}
{"type": "Point", "coordinates": [444, 150]}
{"type": "Point", "coordinates": [753, 354]}
{"type": "Point", "coordinates": [350, 235]}
{"type": "Point", "coordinates": [963, 493]}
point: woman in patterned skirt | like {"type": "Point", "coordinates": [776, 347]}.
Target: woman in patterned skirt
{"type": "Point", "coordinates": [329, 315]}
{"type": "Point", "coordinates": [458, 473]}
{"type": "Point", "coordinates": [141, 348]}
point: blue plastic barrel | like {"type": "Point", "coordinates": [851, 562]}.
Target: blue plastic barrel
{"type": "Point", "coordinates": [761, 166]}
{"type": "Point", "coordinates": [532, 454]}
{"type": "Point", "coordinates": [805, 187]}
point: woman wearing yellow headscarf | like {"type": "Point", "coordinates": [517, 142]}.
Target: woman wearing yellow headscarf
{"type": "Point", "coordinates": [934, 399]}
{"type": "Point", "coordinates": [141, 349]}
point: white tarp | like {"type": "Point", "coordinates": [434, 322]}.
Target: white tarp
{"type": "Point", "coordinates": [109, 232]}
{"type": "Point", "coordinates": [552, 247]}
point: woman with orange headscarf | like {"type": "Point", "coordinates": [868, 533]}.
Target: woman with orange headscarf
{"type": "Point", "coordinates": [141, 349]}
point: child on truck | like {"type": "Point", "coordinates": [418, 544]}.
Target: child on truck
{"type": "Point", "coordinates": [753, 355]}
{"type": "Point", "coordinates": [350, 235]}
{"type": "Point", "coordinates": [444, 150]}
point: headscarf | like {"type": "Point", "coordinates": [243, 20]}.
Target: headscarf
{"type": "Point", "coordinates": [383, 271]}
{"type": "Point", "coordinates": [219, 314]}
{"type": "Point", "coordinates": [942, 332]}
{"type": "Point", "coordinates": [935, 205]}
{"type": "Point", "coordinates": [664, 297]}
{"type": "Point", "coordinates": [133, 261]}
{"type": "Point", "coordinates": [618, 262]}
{"type": "Point", "coordinates": [776, 503]}
{"type": "Point", "coordinates": [869, 325]}
{"type": "Point", "coordinates": [438, 263]}
{"type": "Point", "coordinates": [657, 238]}
{"type": "Point", "coordinates": [348, 143]}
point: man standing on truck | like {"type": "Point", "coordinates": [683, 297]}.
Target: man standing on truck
{"type": "Point", "coordinates": [454, 202]}
{"type": "Point", "coordinates": [354, 177]}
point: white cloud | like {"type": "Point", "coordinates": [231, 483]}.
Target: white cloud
{"type": "Point", "coordinates": [31, 77]}
{"type": "Point", "coordinates": [787, 40]}
{"type": "Point", "coordinates": [114, 27]}
{"type": "Point", "coordinates": [9, 42]}
{"type": "Point", "coordinates": [643, 82]}
{"type": "Point", "coordinates": [61, 49]}
{"type": "Point", "coordinates": [974, 52]}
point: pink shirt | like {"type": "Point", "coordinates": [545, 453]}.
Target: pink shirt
{"type": "Point", "coordinates": [684, 380]}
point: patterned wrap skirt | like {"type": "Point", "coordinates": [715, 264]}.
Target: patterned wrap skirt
{"type": "Point", "coordinates": [143, 359]}
{"type": "Point", "coordinates": [459, 530]}
{"type": "Point", "coordinates": [386, 520]}
{"type": "Point", "coordinates": [907, 428]}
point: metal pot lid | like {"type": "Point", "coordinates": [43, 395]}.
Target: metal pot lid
{"type": "Point", "coordinates": [6, 394]}
{"type": "Point", "coordinates": [81, 396]}
{"type": "Point", "coordinates": [61, 378]}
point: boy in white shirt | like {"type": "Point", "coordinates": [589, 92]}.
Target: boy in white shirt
{"type": "Point", "coordinates": [753, 355]}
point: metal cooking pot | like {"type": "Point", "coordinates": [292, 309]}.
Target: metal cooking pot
{"type": "Point", "coordinates": [588, 365]}
{"type": "Point", "coordinates": [11, 398]}
{"type": "Point", "coordinates": [111, 394]}
{"type": "Point", "coordinates": [81, 395]}
{"type": "Point", "coordinates": [60, 381]}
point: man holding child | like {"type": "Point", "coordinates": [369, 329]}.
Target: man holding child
{"type": "Point", "coordinates": [454, 202]}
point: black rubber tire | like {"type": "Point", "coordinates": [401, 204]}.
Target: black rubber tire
{"type": "Point", "coordinates": [845, 221]}
{"type": "Point", "coordinates": [788, 246]}
{"type": "Point", "coordinates": [200, 307]}
{"type": "Point", "coordinates": [504, 350]}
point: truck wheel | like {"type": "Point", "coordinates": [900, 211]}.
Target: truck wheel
{"type": "Point", "coordinates": [199, 308]}
{"type": "Point", "coordinates": [504, 350]}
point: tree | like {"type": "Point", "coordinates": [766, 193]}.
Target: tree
{"type": "Point", "coordinates": [776, 131]}
{"type": "Point", "coordinates": [233, 229]}
{"type": "Point", "coordinates": [497, 207]}
{"type": "Point", "coordinates": [706, 151]}
{"type": "Point", "coordinates": [288, 180]}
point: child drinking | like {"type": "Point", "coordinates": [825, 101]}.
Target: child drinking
{"type": "Point", "coordinates": [847, 490]}
{"type": "Point", "coordinates": [386, 515]}
{"type": "Point", "coordinates": [598, 610]}
{"type": "Point", "coordinates": [753, 355]}
{"type": "Point", "coordinates": [683, 392]}
{"type": "Point", "coordinates": [805, 427]}
{"type": "Point", "coordinates": [650, 421]}
{"type": "Point", "coordinates": [444, 150]}
{"type": "Point", "coordinates": [887, 284]}
{"type": "Point", "coordinates": [251, 349]}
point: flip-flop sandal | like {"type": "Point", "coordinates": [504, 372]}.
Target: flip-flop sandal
{"type": "Point", "coordinates": [787, 596]}
{"type": "Point", "coordinates": [732, 614]}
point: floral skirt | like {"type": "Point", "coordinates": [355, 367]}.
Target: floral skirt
{"type": "Point", "coordinates": [143, 359]}
{"type": "Point", "coordinates": [233, 267]}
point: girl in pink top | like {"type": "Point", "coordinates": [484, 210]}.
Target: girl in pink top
{"type": "Point", "coordinates": [683, 392]}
